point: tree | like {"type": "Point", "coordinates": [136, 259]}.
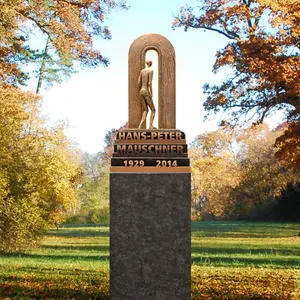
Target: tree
{"type": "Point", "coordinates": [263, 51]}
{"type": "Point", "coordinates": [94, 191]}
{"type": "Point", "coordinates": [288, 204]}
{"type": "Point", "coordinates": [263, 175]}
{"type": "Point", "coordinates": [215, 173]}
{"type": "Point", "coordinates": [68, 28]}
{"type": "Point", "coordinates": [288, 146]}
{"type": "Point", "coordinates": [39, 175]}
{"type": "Point", "coordinates": [39, 168]}
{"type": "Point", "coordinates": [235, 174]}
{"type": "Point", "coordinates": [109, 140]}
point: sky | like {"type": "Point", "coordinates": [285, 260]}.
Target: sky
{"type": "Point", "coordinates": [94, 101]}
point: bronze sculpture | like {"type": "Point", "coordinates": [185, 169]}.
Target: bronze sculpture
{"type": "Point", "coordinates": [145, 84]}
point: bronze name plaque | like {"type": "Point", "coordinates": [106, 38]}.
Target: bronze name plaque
{"type": "Point", "coordinates": [150, 135]}
{"type": "Point", "coordinates": [150, 151]}
{"type": "Point", "coordinates": [152, 148]}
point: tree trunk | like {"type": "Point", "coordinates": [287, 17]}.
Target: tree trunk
{"type": "Point", "coordinates": [42, 68]}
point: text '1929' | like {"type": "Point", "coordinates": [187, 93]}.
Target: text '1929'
{"type": "Point", "coordinates": [158, 163]}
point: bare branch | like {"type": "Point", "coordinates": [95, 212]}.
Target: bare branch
{"type": "Point", "coordinates": [40, 26]}
{"type": "Point", "coordinates": [230, 35]}
{"type": "Point", "coordinates": [42, 68]}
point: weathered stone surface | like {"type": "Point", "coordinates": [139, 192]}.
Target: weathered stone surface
{"type": "Point", "coordinates": [150, 238]}
{"type": "Point", "coordinates": [166, 79]}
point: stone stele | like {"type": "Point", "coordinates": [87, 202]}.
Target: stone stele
{"type": "Point", "coordinates": [150, 192]}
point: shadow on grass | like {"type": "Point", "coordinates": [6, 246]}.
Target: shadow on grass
{"type": "Point", "coordinates": [239, 250]}
{"type": "Point", "coordinates": [229, 229]}
{"type": "Point", "coordinates": [67, 257]}
{"type": "Point", "coordinates": [243, 229]}
{"type": "Point", "coordinates": [51, 272]}
{"type": "Point", "coordinates": [76, 247]}
{"type": "Point", "coordinates": [244, 262]}
{"type": "Point", "coordinates": [210, 257]}
{"type": "Point", "coordinates": [77, 233]}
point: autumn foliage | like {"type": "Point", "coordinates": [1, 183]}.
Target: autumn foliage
{"type": "Point", "coordinates": [40, 170]}
{"type": "Point", "coordinates": [94, 190]}
{"type": "Point", "coordinates": [68, 29]}
{"type": "Point", "coordinates": [236, 175]}
{"type": "Point", "coordinates": [263, 53]}
{"type": "Point", "coordinates": [288, 146]}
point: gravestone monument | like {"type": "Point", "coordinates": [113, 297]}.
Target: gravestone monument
{"type": "Point", "coordinates": [150, 187]}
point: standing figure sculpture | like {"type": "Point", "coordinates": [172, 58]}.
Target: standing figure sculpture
{"type": "Point", "coordinates": [145, 83]}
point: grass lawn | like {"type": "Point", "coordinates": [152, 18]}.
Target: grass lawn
{"type": "Point", "coordinates": [230, 260]}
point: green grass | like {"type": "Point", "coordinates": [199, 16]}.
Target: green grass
{"type": "Point", "coordinates": [230, 260]}
{"type": "Point", "coordinates": [243, 244]}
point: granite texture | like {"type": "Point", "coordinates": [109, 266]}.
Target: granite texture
{"type": "Point", "coordinates": [150, 236]}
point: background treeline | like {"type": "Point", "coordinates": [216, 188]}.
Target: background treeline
{"type": "Point", "coordinates": [93, 193]}
{"type": "Point", "coordinates": [236, 175]}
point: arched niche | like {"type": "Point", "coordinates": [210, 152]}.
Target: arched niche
{"type": "Point", "coordinates": [166, 79]}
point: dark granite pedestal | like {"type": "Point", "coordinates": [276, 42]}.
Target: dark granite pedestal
{"type": "Point", "coordinates": [150, 238]}
{"type": "Point", "coordinates": [150, 235]}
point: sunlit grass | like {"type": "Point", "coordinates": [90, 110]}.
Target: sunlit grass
{"type": "Point", "coordinates": [271, 253]}
{"type": "Point", "coordinates": [230, 260]}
